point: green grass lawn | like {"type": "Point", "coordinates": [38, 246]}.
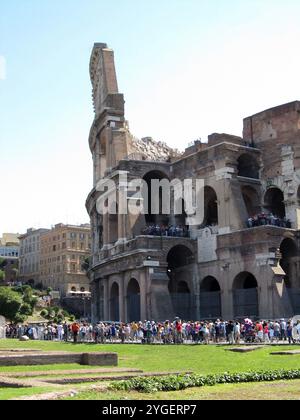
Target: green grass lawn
{"type": "Point", "coordinates": [198, 359]}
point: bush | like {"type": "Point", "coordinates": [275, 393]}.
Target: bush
{"type": "Point", "coordinates": [19, 318]}
{"type": "Point", "coordinates": [10, 303]}
{"type": "Point", "coordinates": [44, 313]}
{"type": "Point", "coordinates": [26, 309]}
{"type": "Point", "coordinates": [176, 383]}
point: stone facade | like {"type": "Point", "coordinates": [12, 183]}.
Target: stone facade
{"type": "Point", "coordinates": [63, 249]}
{"type": "Point", "coordinates": [223, 267]}
{"type": "Point", "coordinates": [30, 255]}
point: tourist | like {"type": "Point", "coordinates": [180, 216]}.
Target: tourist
{"type": "Point", "coordinates": [237, 332]}
{"type": "Point", "coordinates": [75, 328]}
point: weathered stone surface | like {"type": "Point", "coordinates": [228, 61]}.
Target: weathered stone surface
{"type": "Point", "coordinates": [97, 359]}
{"type": "Point", "coordinates": [247, 349]}
{"type": "Point", "coordinates": [285, 353]}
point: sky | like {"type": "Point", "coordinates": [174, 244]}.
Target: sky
{"type": "Point", "coordinates": [187, 68]}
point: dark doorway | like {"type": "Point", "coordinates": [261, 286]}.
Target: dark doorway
{"type": "Point", "coordinates": [210, 299]}
{"type": "Point", "coordinates": [245, 296]}
{"type": "Point", "coordinates": [248, 166]}
{"type": "Point", "coordinates": [133, 301]}
{"type": "Point", "coordinates": [179, 259]}
{"type": "Point", "coordinates": [274, 202]}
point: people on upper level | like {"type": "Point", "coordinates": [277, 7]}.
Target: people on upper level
{"type": "Point", "coordinates": [163, 230]}
{"type": "Point", "coordinates": [264, 219]}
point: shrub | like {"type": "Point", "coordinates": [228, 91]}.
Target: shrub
{"type": "Point", "coordinates": [26, 309]}
{"type": "Point", "coordinates": [176, 383]}
{"type": "Point", "coordinates": [10, 303]}
{"type": "Point", "coordinates": [44, 313]}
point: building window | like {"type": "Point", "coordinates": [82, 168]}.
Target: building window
{"type": "Point", "coordinates": [73, 235]}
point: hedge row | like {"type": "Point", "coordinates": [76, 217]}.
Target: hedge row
{"type": "Point", "coordinates": [176, 383]}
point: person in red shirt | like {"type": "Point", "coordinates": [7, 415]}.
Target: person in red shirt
{"type": "Point", "coordinates": [75, 327]}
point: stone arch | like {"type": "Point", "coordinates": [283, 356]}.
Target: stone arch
{"type": "Point", "coordinates": [179, 271]}
{"type": "Point", "coordinates": [252, 200]}
{"type": "Point", "coordinates": [73, 289]}
{"type": "Point", "coordinates": [114, 302]}
{"type": "Point", "coordinates": [211, 216]}
{"type": "Point", "coordinates": [210, 298]}
{"type": "Point", "coordinates": [82, 289]}
{"type": "Point", "coordinates": [149, 201]}
{"type": "Point", "coordinates": [133, 301]}
{"type": "Point", "coordinates": [248, 166]}
{"type": "Point", "coordinates": [245, 295]}
{"type": "Point", "coordinates": [274, 202]}
{"type": "Point", "coordinates": [179, 256]}
{"type": "Point", "coordinates": [289, 251]}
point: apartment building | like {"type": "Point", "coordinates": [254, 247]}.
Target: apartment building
{"type": "Point", "coordinates": [63, 249]}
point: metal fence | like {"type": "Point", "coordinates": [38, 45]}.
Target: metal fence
{"type": "Point", "coordinates": [294, 295]}
{"type": "Point", "coordinates": [210, 305]}
{"type": "Point", "coordinates": [245, 302]}
{"type": "Point", "coordinates": [134, 308]}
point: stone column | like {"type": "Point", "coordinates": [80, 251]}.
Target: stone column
{"type": "Point", "coordinates": [143, 289]}
{"type": "Point", "coordinates": [227, 296]}
{"type": "Point", "coordinates": [106, 299]}
{"type": "Point", "coordinates": [122, 298]}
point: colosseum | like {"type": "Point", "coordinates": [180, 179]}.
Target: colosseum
{"type": "Point", "coordinates": [242, 260]}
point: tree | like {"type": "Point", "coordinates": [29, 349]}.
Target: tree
{"type": "Point", "coordinates": [3, 264]}
{"type": "Point", "coordinates": [2, 276]}
{"type": "Point", "coordinates": [85, 266]}
{"type": "Point", "coordinates": [10, 303]}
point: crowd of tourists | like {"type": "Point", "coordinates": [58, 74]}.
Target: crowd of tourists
{"type": "Point", "coordinates": [162, 230]}
{"type": "Point", "coordinates": [168, 332]}
{"type": "Point", "coordinates": [264, 219]}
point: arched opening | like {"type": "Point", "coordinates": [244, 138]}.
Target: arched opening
{"type": "Point", "coordinates": [82, 289]}
{"type": "Point", "coordinates": [133, 301]}
{"type": "Point", "coordinates": [298, 196]}
{"type": "Point", "coordinates": [210, 298]}
{"type": "Point", "coordinates": [73, 289]}
{"type": "Point", "coordinates": [180, 273]}
{"type": "Point", "coordinates": [154, 199]}
{"type": "Point", "coordinates": [245, 296]}
{"type": "Point", "coordinates": [248, 166]}
{"type": "Point", "coordinates": [179, 256]}
{"type": "Point", "coordinates": [251, 200]}
{"type": "Point", "coordinates": [289, 264]}
{"type": "Point", "coordinates": [114, 303]}
{"type": "Point", "coordinates": [113, 222]}
{"type": "Point", "coordinates": [274, 202]}
{"type": "Point", "coordinates": [211, 217]}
